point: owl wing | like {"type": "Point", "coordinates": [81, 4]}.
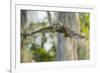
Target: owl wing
{"type": "Point", "coordinates": [46, 29]}
{"type": "Point", "coordinates": [73, 34]}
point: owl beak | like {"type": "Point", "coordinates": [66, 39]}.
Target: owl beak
{"type": "Point", "coordinates": [56, 27]}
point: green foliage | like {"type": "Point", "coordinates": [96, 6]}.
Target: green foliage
{"type": "Point", "coordinates": [40, 54]}
{"type": "Point", "coordinates": [85, 29]}
{"type": "Point", "coordinates": [85, 23]}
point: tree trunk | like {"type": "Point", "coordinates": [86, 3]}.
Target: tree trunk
{"type": "Point", "coordinates": [67, 48]}
{"type": "Point", "coordinates": [26, 55]}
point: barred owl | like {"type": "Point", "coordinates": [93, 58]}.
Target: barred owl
{"type": "Point", "coordinates": [59, 27]}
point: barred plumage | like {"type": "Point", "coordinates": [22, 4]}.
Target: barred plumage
{"type": "Point", "coordinates": [58, 27]}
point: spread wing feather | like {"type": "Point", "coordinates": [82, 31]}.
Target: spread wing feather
{"type": "Point", "coordinates": [73, 34]}
{"type": "Point", "coordinates": [46, 29]}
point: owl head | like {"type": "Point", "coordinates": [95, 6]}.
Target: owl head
{"type": "Point", "coordinates": [57, 25]}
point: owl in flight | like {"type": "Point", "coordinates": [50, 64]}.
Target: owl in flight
{"type": "Point", "coordinates": [59, 27]}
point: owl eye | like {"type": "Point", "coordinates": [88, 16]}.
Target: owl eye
{"type": "Point", "coordinates": [53, 24]}
{"type": "Point", "coordinates": [57, 23]}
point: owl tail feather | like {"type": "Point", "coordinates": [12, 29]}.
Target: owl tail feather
{"type": "Point", "coordinates": [74, 35]}
{"type": "Point", "coordinates": [78, 36]}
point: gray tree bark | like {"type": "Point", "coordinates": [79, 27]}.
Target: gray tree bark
{"type": "Point", "coordinates": [67, 48]}
{"type": "Point", "coordinates": [26, 55]}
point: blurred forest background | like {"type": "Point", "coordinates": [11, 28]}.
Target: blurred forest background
{"type": "Point", "coordinates": [44, 47]}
